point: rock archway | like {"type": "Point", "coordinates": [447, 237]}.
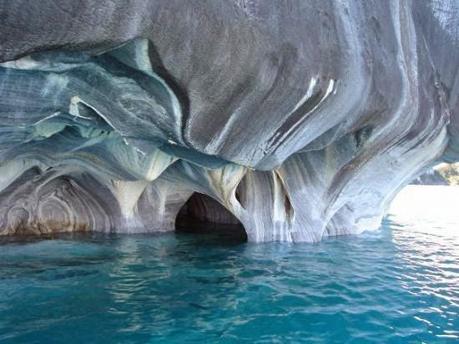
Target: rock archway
{"type": "Point", "coordinates": [202, 214]}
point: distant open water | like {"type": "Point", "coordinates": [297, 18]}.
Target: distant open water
{"type": "Point", "coordinates": [396, 285]}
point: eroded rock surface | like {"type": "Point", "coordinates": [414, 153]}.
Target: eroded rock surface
{"type": "Point", "coordinates": [302, 118]}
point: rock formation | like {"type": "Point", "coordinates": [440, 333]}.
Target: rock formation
{"type": "Point", "coordinates": [441, 174]}
{"type": "Point", "coordinates": [302, 118]}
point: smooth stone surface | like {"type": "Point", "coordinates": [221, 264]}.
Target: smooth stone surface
{"type": "Point", "coordinates": [302, 118]}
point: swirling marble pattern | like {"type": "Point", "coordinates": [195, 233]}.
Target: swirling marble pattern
{"type": "Point", "coordinates": [302, 118]}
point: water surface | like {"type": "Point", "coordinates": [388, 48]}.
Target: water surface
{"type": "Point", "coordinates": [396, 285]}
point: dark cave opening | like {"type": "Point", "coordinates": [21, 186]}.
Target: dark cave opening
{"type": "Point", "coordinates": [202, 214]}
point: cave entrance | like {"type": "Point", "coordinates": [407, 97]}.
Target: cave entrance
{"type": "Point", "coordinates": [202, 214]}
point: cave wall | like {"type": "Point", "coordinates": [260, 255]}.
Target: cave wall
{"type": "Point", "coordinates": [302, 118]}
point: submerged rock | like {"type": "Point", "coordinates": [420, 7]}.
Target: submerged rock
{"type": "Point", "coordinates": [302, 119]}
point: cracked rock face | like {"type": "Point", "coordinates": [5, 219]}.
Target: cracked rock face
{"type": "Point", "coordinates": [302, 119]}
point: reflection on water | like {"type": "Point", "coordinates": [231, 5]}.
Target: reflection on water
{"type": "Point", "coordinates": [425, 223]}
{"type": "Point", "coordinates": [428, 209]}
{"type": "Point", "coordinates": [399, 284]}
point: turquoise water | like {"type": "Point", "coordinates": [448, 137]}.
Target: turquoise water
{"type": "Point", "coordinates": [394, 285]}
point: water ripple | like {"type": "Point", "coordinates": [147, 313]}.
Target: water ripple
{"type": "Point", "coordinates": [400, 284]}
